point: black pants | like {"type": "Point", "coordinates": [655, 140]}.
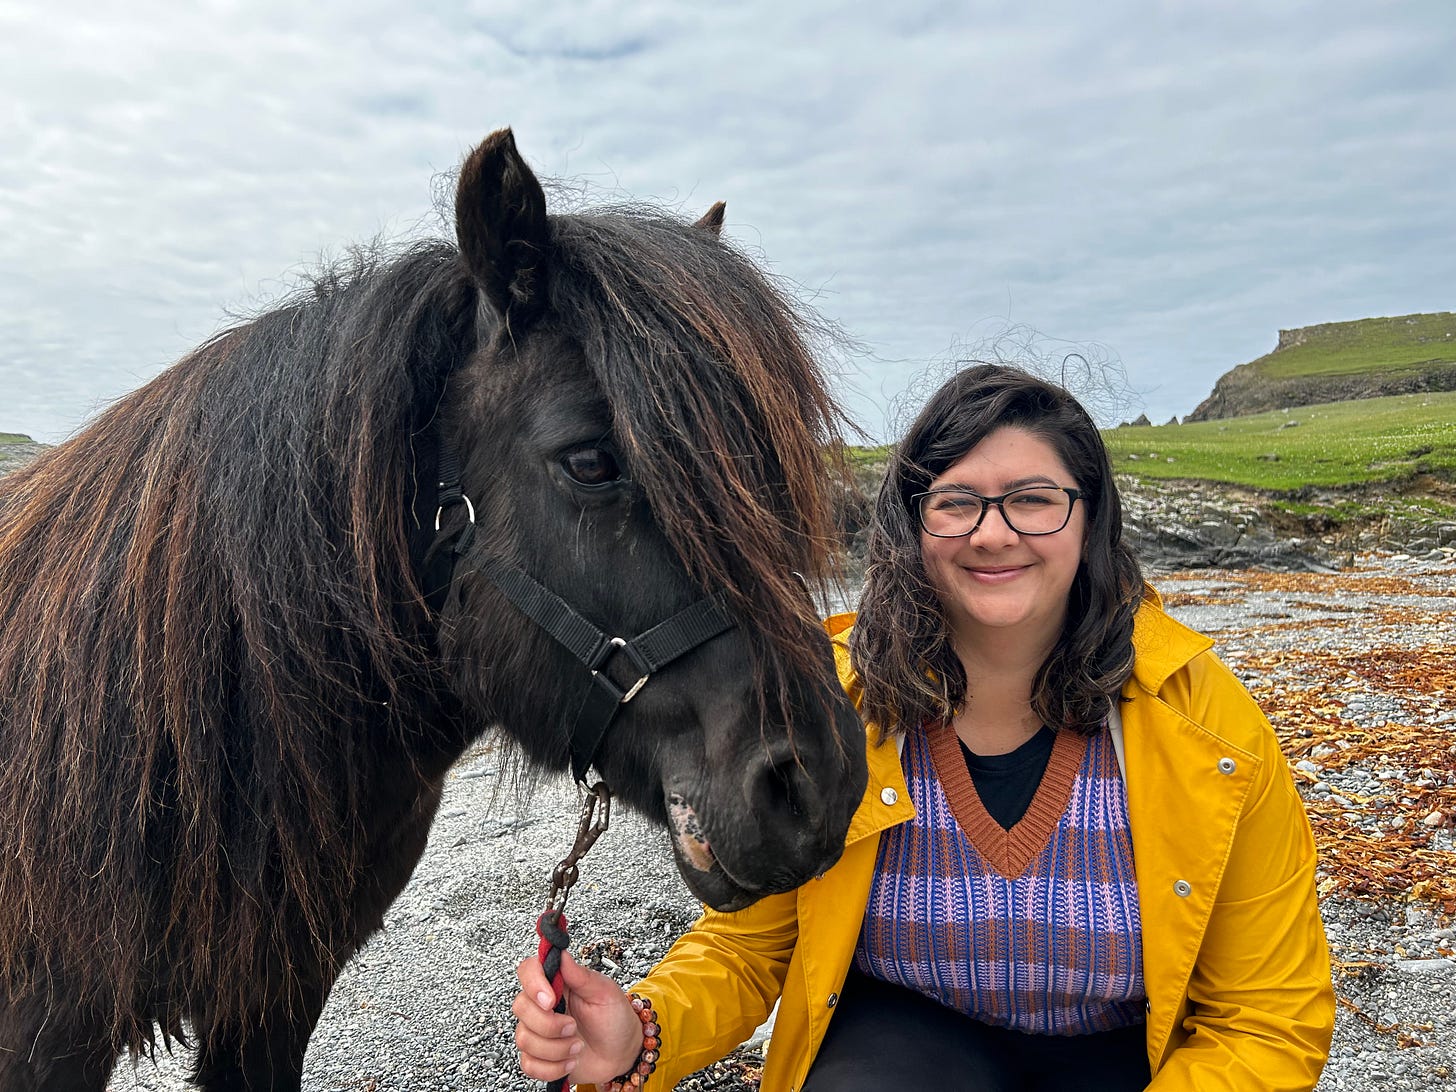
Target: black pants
{"type": "Point", "coordinates": [883, 1036]}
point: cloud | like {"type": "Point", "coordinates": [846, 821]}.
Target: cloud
{"type": "Point", "coordinates": [1173, 182]}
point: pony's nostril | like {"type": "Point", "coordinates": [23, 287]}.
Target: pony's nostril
{"type": "Point", "coordinates": [790, 791]}
{"type": "Point", "coordinates": [780, 787]}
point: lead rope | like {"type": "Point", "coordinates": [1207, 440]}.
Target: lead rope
{"type": "Point", "coordinates": [596, 814]}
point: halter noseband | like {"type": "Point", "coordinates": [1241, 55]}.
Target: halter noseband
{"type": "Point", "coordinates": [646, 654]}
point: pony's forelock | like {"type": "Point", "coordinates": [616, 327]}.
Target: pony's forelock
{"type": "Point", "coordinates": [718, 394]}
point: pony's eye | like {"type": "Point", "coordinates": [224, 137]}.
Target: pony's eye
{"type": "Point", "coordinates": [591, 466]}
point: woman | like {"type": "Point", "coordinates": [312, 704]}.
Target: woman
{"type": "Point", "coordinates": [1081, 861]}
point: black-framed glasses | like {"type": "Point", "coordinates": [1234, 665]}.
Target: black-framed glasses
{"type": "Point", "coordinates": [1034, 510]}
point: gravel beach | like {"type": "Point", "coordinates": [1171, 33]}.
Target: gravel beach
{"type": "Point", "coordinates": [1357, 670]}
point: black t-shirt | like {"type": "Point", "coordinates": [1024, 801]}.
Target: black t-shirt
{"type": "Point", "coordinates": [1006, 783]}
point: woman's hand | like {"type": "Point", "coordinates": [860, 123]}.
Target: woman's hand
{"type": "Point", "coordinates": [596, 1039]}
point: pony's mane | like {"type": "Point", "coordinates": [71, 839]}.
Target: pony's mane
{"type": "Point", "coordinates": [198, 589]}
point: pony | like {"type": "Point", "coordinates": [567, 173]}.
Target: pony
{"type": "Point", "coordinates": [256, 609]}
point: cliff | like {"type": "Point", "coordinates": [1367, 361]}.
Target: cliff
{"type": "Point", "coordinates": [1340, 362]}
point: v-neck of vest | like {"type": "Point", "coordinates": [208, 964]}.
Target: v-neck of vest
{"type": "Point", "coordinates": [1009, 852]}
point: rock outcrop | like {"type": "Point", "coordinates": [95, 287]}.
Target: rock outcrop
{"type": "Point", "coordinates": [1247, 390]}
{"type": "Point", "coordinates": [1174, 526]}
{"type": "Point", "coordinates": [16, 452]}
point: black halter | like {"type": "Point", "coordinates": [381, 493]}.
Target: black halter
{"type": "Point", "coordinates": [639, 658]}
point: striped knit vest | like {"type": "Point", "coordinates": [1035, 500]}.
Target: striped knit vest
{"type": "Point", "coordinates": [1036, 928]}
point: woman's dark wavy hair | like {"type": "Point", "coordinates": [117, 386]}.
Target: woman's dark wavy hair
{"type": "Point", "coordinates": [901, 647]}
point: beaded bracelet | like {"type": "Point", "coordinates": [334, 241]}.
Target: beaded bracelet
{"type": "Point", "coordinates": [646, 1062]}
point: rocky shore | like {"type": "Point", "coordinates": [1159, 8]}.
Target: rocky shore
{"type": "Point", "coordinates": [1357, 671]}
{"type": "Point", "coordinates": [1202, 525]}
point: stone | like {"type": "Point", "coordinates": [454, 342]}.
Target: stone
{"type": "Point", "coordinates": [1441, 966]}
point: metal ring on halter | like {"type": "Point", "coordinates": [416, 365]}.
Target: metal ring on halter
{"type": "Point", "coordinates": [631, 692]}
{"type": "Point", "coordinates": [469, 509]}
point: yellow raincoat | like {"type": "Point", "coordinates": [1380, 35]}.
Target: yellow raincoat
{"type": "Point", "coordinates": [1234, 954]}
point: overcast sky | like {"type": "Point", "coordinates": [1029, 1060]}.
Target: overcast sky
{"type": "Point", "coordinates": [1164, 184]}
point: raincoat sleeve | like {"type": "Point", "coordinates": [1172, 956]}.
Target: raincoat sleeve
{"type": "Point", "coordinates": [719, 982]}
{"type": "Point", "coordinates": [1260, 1005]}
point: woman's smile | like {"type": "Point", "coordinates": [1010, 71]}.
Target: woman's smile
{"type": "Point", "coordinates": [998, 574]}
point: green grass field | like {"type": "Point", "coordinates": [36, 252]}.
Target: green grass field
{"type": "Point", "coordinates": [1339, 443]}
{"type": "Point", "coordinates": [13, 438]}
{"type": "Point", "coordinates": [1385, 345]}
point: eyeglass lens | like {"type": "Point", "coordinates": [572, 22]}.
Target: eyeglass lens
{"type": "Point", "coordinates": [1038, 510]}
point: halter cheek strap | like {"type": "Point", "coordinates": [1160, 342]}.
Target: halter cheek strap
{"type": "Point", "coordinates": [643, 655]}
{"type": "Point", "coordinates": [638, 658]}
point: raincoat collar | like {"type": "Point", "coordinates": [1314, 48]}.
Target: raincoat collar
{"type": "Point", "coordinates": [1161, 644]}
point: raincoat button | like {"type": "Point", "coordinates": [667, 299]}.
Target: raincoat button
{"type": "Point", "coordinates": [1227, 765]}
{"type": "Point", "coordinates": [888, 796]}
{"type": "Point", "coordinates": [833, 1000]}
{"type": "Point", "coordinates": [1182, 889]}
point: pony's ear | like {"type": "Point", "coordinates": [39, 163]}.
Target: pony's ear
{"type": "Point", "coordinates": [500, 222]}
{"type": "Point", "coordinates": [712, 220]}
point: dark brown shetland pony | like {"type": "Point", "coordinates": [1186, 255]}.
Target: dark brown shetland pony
{"type": "Point", "coordinates": [228, 701]}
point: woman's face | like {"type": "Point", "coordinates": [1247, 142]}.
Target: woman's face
{"type": "Point", "coordinates": [996, 585]}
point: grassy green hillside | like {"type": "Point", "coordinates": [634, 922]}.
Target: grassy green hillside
{"type": "Point", "coordinates": [1333, 444]}
{"type": "Point", "coordinates": [13, 438]}
{"type": "Point", "coordinates": [1368, 345]}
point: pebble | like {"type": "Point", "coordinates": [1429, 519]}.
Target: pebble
{"type": "Point", "coordinates": [1427, 966]}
